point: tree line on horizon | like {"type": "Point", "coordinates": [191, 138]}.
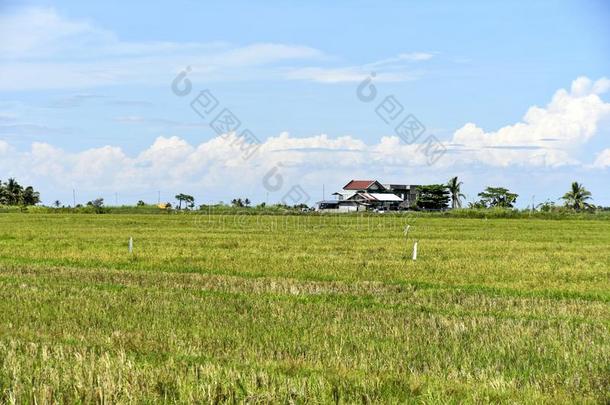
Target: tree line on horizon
{"type": "Point", "coordinates": [13, 193]}
{"type": "Point", "coordinates": [430, 197]}
{"type": "Point", "coordinates": [439, 196]}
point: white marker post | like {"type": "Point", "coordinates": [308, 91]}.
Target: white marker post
{"type": "Point", "coordinates": [415, 251]}
{"type": "Point", "coordinates": [130, 245]}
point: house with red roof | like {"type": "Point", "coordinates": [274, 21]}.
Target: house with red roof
{"type": "Point", "coordinates": [363, 195]}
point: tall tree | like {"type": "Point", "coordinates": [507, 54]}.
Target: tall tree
{"type": "Point", "coordinates": [577, 197]}
{"type": "Point", "coordinates": [189, 201]}
{"type": "Point", "coordinates": [454, 189]}
{"type": "Point", "coordinates": [180, 198]}
{"type": "Point", "coordinates": [497, 197]}
{"type": "Point", "coordinates": [97, 204]}
{"type": "Point", "coordinates": [30, 197]}
{"type": "Point", "coordinates": [13, 190]}
{"type": "Point", "coordinates": [12, 193]}
{"type": "Point", "coordinates": [432, 197]}
{"type": "Point", "coordinates": [3, 194]}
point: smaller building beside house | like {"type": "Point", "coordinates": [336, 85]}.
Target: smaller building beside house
{"type": "Point", "coordinates": [407, 192]}
{"type": "Point", "coordinates": [337, 206]}
{"type": "Point", "coordinates": [363, 195]}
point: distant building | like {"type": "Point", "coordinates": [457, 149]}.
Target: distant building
{"type": "Point", "coordinates": [362, 195]}
{"type": "Point", "coordinates": [408, 193]}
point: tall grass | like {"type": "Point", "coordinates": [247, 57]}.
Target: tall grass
{"type": "Point", "coordinates": [231, 308]}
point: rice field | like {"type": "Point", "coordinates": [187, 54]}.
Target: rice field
{"type": "Point", "coordinates": [303, 309]}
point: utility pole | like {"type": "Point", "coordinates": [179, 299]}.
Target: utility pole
{"type": "Point", "coordinates": [159, 197]}
{"type": "Point", "coordinates": [533, 202]}
{"type": "Point", "coordinates": [323, 193]}
{"type": "Point", "coordinates": [116, 199]}
{"type": "Point", "coordinates": [74, 197]}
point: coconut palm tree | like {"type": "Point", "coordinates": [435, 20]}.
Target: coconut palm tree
{"type": "Point", "coordinates": [454, 188]}
{"type": "Point", "coordinates": [3, 194]}
{"type": "Point", "coordinates": [14, 190]}
{"type": "Point", "coordinates": [577, 197]}
{"type": "Point", "coordinates": [30, 196]}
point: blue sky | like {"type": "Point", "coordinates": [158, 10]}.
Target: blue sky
{"type": "Point", "coordinates": [515, 95]}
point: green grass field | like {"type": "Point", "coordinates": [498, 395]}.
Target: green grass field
{"type": "Point", "coordinates": [303, 309]}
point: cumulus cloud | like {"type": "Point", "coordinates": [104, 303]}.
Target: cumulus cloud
{"type": "Point", "coordinates": [583, 86]}
{"type": "Point", "coordinates": [547, 136]}
{"type": "Point", "coordinates": [219, 162]}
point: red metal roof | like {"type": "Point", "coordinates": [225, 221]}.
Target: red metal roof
{"type": "Point", "coordinates": [358, 185]}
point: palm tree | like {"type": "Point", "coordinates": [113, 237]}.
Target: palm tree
{"type": "Point", "coordinates": [3, 194]}
{"type": "Point", "coordinates": [30, 196]}
{"type": "Point", "coordinates": [577, 197]}
{"type": "Point", "coordinates": [180, 198]}
{"type": "Point", "coordinates": [454, 188]}
{"type": "Point", "coordinates": [57, 203]}
{"type": "Point", "coordinates": [14, 190]}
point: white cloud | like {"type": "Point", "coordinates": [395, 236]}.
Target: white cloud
{"type": "Point", "coordinates": [40, 49]}
{"type": "Point", "coordinates": [584, 86]}
{"type": "Point", "coordinates": [603, 159]}
{"type": "Point", "coordinates": [219, 162]}
{"type": "Point", "coordinates": [263, 53]}
{"type": "Point", "coordinates": [165, 153]}
{"type": "Point", "coordinates": [416, 56]}
{"type": "Point", "coordinates": [39, 32]}
{"type": "Point", "coordinates": [547, 136]}
{"type": "Point", "coordinates": [4, 147]}
{"type": "Point", "coordinates": [403, 57]}
{"type": "Point", "coordinates": [343, 75]}
{"type": "Point", "coordinates": [395, 69]}
{"type": "Point", "coordinates": [157, 122]}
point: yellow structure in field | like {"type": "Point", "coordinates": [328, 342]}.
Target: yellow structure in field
{"type": "Point", "coordinates": [165, 206]}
